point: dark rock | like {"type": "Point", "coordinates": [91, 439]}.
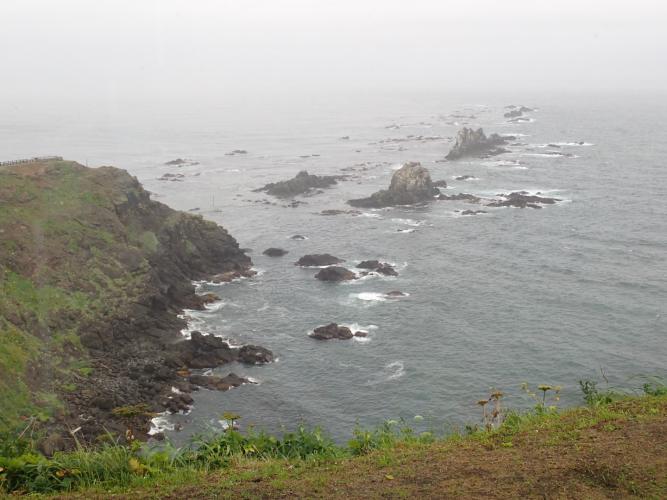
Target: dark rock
{"type": "Point", "coordinates": [440, 184]}
{"type": "Point", "coordinates": [335, 211]}
{"type": "Point", "coordinates": [395, 294]}
{"type": "Point", "coordinates": [209, 298]}
{"type": "Point", "coordinates": [471, 142]}
{"type": "Point", "coordinates": [410, 184]}
{"type": "Point", "coordinates": [361, 334]}
{"type": "Point", "coordinates": [298, 237]}
{"type": "Point", "coordinates": [465, 177]}
{"type": "Point", "coordinates": [332, 331]}
{"type": "Point", "coordinates": [274, 252]}
{"type": "Point", "coordinates": [473, 212]}
{"type": "Point", "coordinates": [237, 152]}
{"type": "Point", "coordinates": [369, 264]}
{"type": "Point", "coordinates": [254, 355]}
{"type": "Point", "coordinates": [318, 260]}
{"type": "Point", "coordinates": [218, 383]}
{"type": "Point", "coordinates": [378, 267]}
{"type": "Point", "coordinates": [522, 199]}
{"type": "Point", "coordinates": [470, 198]}
{"type": "Point", "coordinates": [335, 273]}
{"type": "Point", "coordinates": [302, 183]}
{"type": "Point", "coordinates": [177, 161]}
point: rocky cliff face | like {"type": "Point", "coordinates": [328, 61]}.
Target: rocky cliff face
{"type": "Point", "coordinates": [409, 185]}
{"type": "Point", "coordinates": [92, 276]}
{"type": "Point", "coordinates": [471, 142]}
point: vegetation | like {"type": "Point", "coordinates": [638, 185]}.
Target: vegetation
{"type": "Point", "coordinates": [303, 460]}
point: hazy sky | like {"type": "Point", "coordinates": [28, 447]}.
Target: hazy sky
{"type": "Point", "coordinates": [172, 48]}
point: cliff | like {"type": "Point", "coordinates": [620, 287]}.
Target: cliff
{"type": "Point", "coordinates": [93, 274]}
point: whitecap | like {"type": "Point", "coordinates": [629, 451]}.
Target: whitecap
{"type": "Point", "coordinates": [369, 296]}
{"type": "Point", "coordinates": [372, 215]}
{"type": "Point", "coordinates": [409, 222]}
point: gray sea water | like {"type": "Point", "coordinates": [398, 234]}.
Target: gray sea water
{"type": "Point", "coordinates": [542, 296]}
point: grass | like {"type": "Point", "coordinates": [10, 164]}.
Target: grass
{"type": "Point", "coordinates": [608, 448]}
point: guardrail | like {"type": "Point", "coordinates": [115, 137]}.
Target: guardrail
{"type": "Point", "coordinates": [30, 160]}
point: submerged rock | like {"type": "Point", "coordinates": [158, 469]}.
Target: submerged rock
{"type": "Point", "coordinates": [335, 273]}
{"type": "Point", "coordinates": [470, 198]}
{"type": "Point", "coordinates": [410, 184]}
{"type": "Point", "coordinates": [302, 183]}
{"type": "Point", "coordinates": [471, 142]}
{"type": "Point", "coordinates": [318, 260]}
{"type": "Point", "coordinates": [274, 252]}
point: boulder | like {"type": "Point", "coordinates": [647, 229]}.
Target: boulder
{"type": "Point", "coordinates": [254, 355]}
{"type": "Point", "coordinates": [409, 185]}
{"type": "Point", "coordinates": [332, 331]}
{"type": "Point", "coordinates": [378, 267]}
{"type": "Point", "coordinates": [440, 184]}
{"type": "Point", "coordinates": [318, 260]}
{"type": "Point", "coordinates": [471, 142]}
{"type": "Point", "coordinates": [274, 252]}
{"type": "Point", "coordinates": [335, 273]}
{"type": "Point", "coordinates": [298, 237]}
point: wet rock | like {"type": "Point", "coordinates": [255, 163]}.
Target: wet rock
{"type": "Point", "coordinates": [395, 294]}
{"type": "Point", "coordinates": [318, 260]}
{"type": "Point", "coordinates": [335, 273]}
{"type": "Point", "coordinates": [440, 184]}
{"type": "Point", "coordinates": [473, 212]}
{"type": "Point", "coordinates": [361, 334]}
{"type": "Point", "coordinates": [470, 198]}
{"type": "Point", "coordinates": [218, 383]}
{"type": "Point", "coordinates": [302, 183]}
{"type": "Point", "coordinates": [335, 211]}
{"type": "Point", "coordinates": [378, 267]}
{"type": "Point", "coordinates": [410, 184]}
{"type": "Point", "coordinates": [254, 355]}
{"type": "Point", "coordinates": [298, 237]}
{"type": "Point", "coordinates": [465, 177]}
{"type": "Point", "coordinates": [522, 199]}
{"type": "Point", "coordinates": [274, 252]}
{"type": "Point", "coordinates": [237, 152]}
{"type": "Point", "coordinates": [228, 276]}
{"type": "Point", "coordinates": [471, 142]}
{"type": "Point", "coordinates": [332, 331]}
{"type": "Point", "coordinates": [176, 162]}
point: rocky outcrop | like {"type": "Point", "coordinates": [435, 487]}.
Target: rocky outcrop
{"type": "Point", "coordinates": [411, 184]}
{"type": "Point", "coordinates": [275, 252]}
{"type": "Point", "coordinates": [522, 199]}
{"type": "Point", "coordinates": [334, 331]}
{"type": "Point", "coordinates": [471, 142]}
{"type": "Point", "coordinates": [218, 383]}
{"type": "Point", "coordinates": [318, 260]}
{"type": "Point", "coordinates": [302, 183]}
{"type": "Point", "coordinates": [209, 351]}
{"type": "Point", "coordinates": [335, 273]}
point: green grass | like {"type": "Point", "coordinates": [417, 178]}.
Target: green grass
{"type": "Point", "coordinates": [115, 467]}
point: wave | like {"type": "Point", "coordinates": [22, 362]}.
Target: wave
{"type": "Point", "coordinates": [369, 296]}
{"type": "Point", "coordinates": [390, 371]}
{"type": "Point", "coordinates": [409, 222]}
{"type": "Point", "coordinates": [161, 423]}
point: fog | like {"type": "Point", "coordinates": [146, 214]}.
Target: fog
{"type": "Point", "coordinates": [172, 49]}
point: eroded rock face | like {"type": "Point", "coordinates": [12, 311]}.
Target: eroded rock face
{"type": "Point", "coordinates": [411, 184]}
{"type": "Point", "coordinates": [318, 260]}
{"type": "Point", "coordinates": [302, 183]}
{"type": "Point", "coordinates": [335, 273]}
{"type": "Point", "coordinates": [471, 142]}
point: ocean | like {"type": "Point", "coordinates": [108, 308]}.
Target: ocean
{"type": "Point", "coordinates": [576, 290]}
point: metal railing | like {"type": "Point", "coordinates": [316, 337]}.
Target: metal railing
{"type": "Point", "coordinates": [30, 160]}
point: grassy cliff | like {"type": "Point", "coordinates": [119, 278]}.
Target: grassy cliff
{"type": "Point", "coordinates": [92, 275]}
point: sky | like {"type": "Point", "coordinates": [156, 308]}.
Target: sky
{"type": "Point", "coordinates": [167, 49]}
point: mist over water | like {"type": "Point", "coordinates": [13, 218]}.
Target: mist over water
{"type": "Point", "coordinates": [514, 295]}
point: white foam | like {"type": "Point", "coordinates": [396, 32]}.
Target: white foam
{"type": "Point", "coordinates": [372, 215]}
{"type": "Point", "coordinates": [370, 296]}
{"type": "Point", "coordinates": [501, 163]}
{"type": "Point", "coordinates": [409, 222]}
{"type": "Point", "coordinates": [396, 369]}
{"type": "Point", "coordinates": [161, 423]}
{"type": "Point", "coordinates": [572, 144]}
{"type": "Point", "coordinates": [215, 306]}
{"type": "Point", "coordinates": [411, 230]}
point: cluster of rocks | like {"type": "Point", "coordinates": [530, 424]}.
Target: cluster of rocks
{"type": "Point", "coordinates": [179, 162]}
{"type": "Point", "coordinates": [302, 183]}
{"type": "Point", "coordinates": [516, 112]}
{"type": "Point", "coordinates": [171, 177]}
{"type": "Point", "coordinates": [237, 152]}
{"type": "Point", "coordinates": [471, 142]}
{"type": "Point", "coordinates": [411, 184]}
{"type": "Point", "coordinates": [331, 271]}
